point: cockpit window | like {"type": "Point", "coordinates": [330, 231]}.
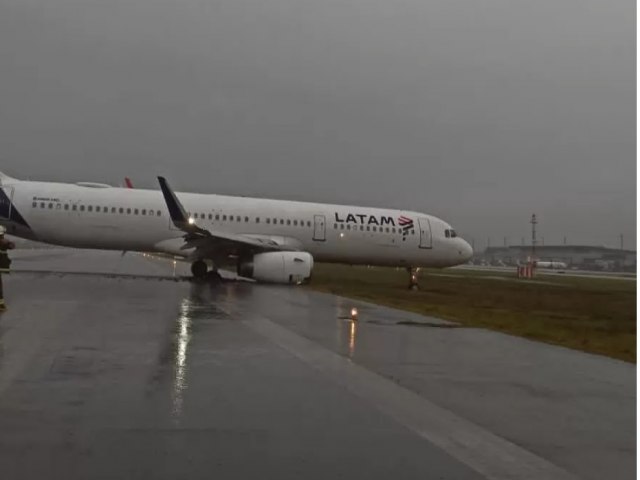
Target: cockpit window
{"type": "Point", "coordinates": [447, 233]}
{"type": "Point", "coordinates": [450, 233]}
{"type": "Point", "coordinates": [453, 233]}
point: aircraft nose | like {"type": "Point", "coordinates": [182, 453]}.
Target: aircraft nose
{"type": "Point", "coordinates": [466, 251]}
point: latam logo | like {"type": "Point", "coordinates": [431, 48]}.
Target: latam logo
{"type": "Point", "coordinates": [406, 224]}
{"type": "Point", "coordinates": [363, 219]}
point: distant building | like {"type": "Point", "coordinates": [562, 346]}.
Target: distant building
{"type": "Point", "coordinates": [575, 256]}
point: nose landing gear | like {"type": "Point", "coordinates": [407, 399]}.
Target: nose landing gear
{"type": "Point", "coordinates": [413, 279]}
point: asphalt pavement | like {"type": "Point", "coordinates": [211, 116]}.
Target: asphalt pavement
{"type": "Point", "coordinates": [116, 366]}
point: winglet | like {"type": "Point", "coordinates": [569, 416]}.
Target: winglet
{"type": "Point", "coordinates": [177, 212]}
{"type": "Point", "coordinates": [127, 182]}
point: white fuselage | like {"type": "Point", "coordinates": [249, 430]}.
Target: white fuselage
{"type": "Point", "coordinates": [91, 216]}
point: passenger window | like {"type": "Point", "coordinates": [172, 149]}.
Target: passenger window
{"type": "Point", "coordinates": [113, 209]}
{"type": "Point", "coordinates": [41, 204]}
{"type": "Point", "coordinates": [342, 226]}
{"type": "Point", "coordinates": [387, 229]}
{"type": "Point", "coordinates": [82, 208]}
{"type": "Point", "coordinates": [288, 222]}
{"type": "Point", "coordinates": [335, 226]}
{"type": "Point", "coordinates": [224, 217]}
{"type": "Point", "coordinates": [51, 205]}
{"type": "Point", "coordinates": [143, 211]}
{"type": "Point", "coordinates": [281, 221]}
{"type": "Point", "coordinates": [34, 204]}
{"type": "Point", "coordinates": [151, 213]}
{"type": "Point", "coordinates": [246, 219]}
{"type": "Point", "coordinates": [66, 206]}
{"type": "Point", "coordinates": [238, 218]}
{"type": "Point", "coordinates": [58, 206]}
{"type": "Point", "coordinates": [135, 211]}
{"type": "Point", "coordinates": [210, 216]}
{"type": "Point", "coordinates": [89, 208]}
{"type": "Point", "coordinates": [74, 207]}
{"type": "Point", "coordinates": [268, 220]}
{"type": "Point", "coordinates": [257, 219]}
{"type": "Point", "coordinates": [158, 213]}
{"type": "Point", "coordinates": [308, 224]}
{"type": "Point", "coordinates": [375, 229]}
{"type": "Point", "coordinates": [295, 223]}
{"type": "Point", "coordinates": [128, 211]}
{"type": "Point", "coordinates": [361, 228]}
{"type": "Point", "coordinates": [275, 220]}
{"type": "Point", "coordinates": [121, 210]}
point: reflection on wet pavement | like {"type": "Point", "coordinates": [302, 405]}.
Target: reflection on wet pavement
{"type": "Point", "coordinates": [183, 336]}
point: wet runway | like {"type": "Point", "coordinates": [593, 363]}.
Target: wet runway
{"type": "Point", "coordinates": [132, 374]}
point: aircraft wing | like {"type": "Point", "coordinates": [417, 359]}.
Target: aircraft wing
{"type": "Point", "coordinates": [206, 240]}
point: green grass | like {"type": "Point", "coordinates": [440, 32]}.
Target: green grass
{"type": "Point", "coordinates": [593, 315]}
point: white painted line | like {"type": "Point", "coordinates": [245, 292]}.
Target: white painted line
{"type": "Point", "coordinates": [490, 455]}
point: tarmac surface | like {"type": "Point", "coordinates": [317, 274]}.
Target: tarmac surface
{"type": "Point", "coordinates": [112, 368]}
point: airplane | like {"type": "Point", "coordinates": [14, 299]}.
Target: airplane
{"type": "Point", "coordinates": [272, 241]}
{"type": "Point", "coordinates": [553, 264]}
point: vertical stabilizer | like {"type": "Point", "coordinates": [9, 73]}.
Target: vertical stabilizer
{"type": "Point", "coordinates": [4, 178]}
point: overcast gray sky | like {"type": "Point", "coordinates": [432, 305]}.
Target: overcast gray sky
{"type": "Point", "coordinates": [480, 112]}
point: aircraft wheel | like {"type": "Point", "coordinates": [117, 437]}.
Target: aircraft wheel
{"type": "Point", "coordinates": [199, 269]}
{"type": "Point", "coordinates": [413, 279]}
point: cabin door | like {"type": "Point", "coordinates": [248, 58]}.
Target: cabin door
{"type": "Point", "coordinates": [319, 228]}
{"type": "Point", "coordinates": [425, 233]}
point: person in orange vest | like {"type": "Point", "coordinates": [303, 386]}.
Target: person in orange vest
{"type": "Point", "coordinates": [5, 262]}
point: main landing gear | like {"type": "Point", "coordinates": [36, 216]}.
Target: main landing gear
{"type": "Point", "coordinates": [201, 272]}
{"type": "Point", "coordinates": [199, 269]}
{"type": "Point", "coordinates": [413, 279]}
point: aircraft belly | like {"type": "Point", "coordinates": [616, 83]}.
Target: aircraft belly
{"type": "Point", "coordinates": [360, 253]}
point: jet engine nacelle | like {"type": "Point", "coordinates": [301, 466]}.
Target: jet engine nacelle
{"type": "Point", "coordinates": [277, 267]}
